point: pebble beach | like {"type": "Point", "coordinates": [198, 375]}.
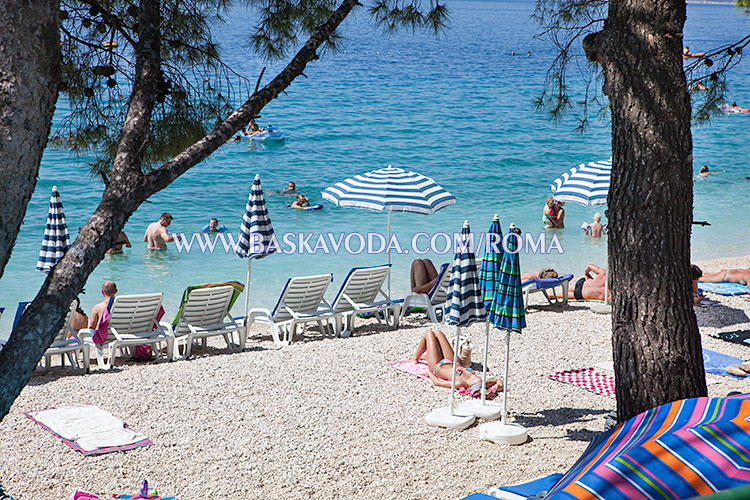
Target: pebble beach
{"type": "Point", "coordinates": [328, 417]}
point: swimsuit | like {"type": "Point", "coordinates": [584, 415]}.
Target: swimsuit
{"type": "Point", "coordinates": [459, 371]}
{"type": "Point", "coordinates": [578, 289]}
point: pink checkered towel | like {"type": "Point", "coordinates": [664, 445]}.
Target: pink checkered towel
{"type": "Point", "coordinates": [587, 378]}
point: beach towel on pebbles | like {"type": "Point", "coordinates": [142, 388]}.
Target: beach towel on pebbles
{"type": "Point", "coordinates": [589, 379]}
{"type": "Point", "coordinates": [89, 429]}
{"type": "Point", "coordinates": [724, 288]}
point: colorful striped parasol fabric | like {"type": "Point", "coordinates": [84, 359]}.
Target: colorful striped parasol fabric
{"type": "Point", "coordinates": [507, 311]}
{"type": "Point", "coordinates": [464, 304]}
{"type": "Point", "coordinates": [56, 240]}
{"type": "Point", "coordinates": [679, 450]}
{"type": "Point", "coordinates": [490, 269]}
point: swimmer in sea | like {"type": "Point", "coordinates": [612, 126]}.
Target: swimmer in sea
{"type": "Point", "coordinates": [301, 202]}
{"type": "Point", "coordinates": [705, 172]}
{"type": "Point", "coordinates": [738, 109]}
{"type": "Point", "coordinates": [290, 188]}
{"type": "Point", "coordinates": [252, 128]}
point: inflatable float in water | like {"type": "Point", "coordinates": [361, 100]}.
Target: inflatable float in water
{"type": "Point", "coordinates": [311, 207]}
{"type": "Point", "coordinates": [268, 134]}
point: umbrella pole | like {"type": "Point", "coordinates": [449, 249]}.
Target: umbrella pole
{"type": "Point", "coordinates": [455, 365]}
{"type": "Point", "coordinates": [505, 378]}
{"type": "Point", "coordinates": [484, 364]}
{"type": "Point", "coordinates": [247, 292]}
{"type": "Point", "coordinates": [388, 248]}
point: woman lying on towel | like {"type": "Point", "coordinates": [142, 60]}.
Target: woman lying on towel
{"type": "Point", "coordinates": [439, 354]}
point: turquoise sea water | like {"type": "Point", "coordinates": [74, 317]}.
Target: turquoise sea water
{"type": "Point", "coordinates": [458, 108]}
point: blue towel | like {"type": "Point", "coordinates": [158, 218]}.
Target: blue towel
{"type": "Point", "coordinates": [542, 283]}
{"type": "Point", "coordinates": [723, 288]}
{"type": "Point", "coordinates": [533, 487]}
{"type": "Point", "coordinates": [479, 496]}
{"type": "Point", "coordinates": [716, 362]}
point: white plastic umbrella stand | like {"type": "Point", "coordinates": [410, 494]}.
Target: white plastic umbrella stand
{"type": "Point", "coordinates": [502, 432]}
{"type": "Point", "coordinates": [481, 408]}
{"type": "Point", "coordinates": [448, 417]}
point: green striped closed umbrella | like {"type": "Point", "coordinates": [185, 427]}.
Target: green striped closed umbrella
{"type": "Point", "coordinates": [507, 304]}
{"type": "Point", "coordinates": [507, 313]}
{"type": "Point", "coordinates": [490, 269]}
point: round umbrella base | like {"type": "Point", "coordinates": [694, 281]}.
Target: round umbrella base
{"type": "Point", "coordinates": [442, 418]}
{"type": "Point", "coordinates": [601, 308]}
{"type": "Point", "coordinates": [487, 411]}
{"type": "Point", "coordinates": [500, 433]}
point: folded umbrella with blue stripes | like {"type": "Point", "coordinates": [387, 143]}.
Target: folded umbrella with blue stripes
{"type": "Point", "coordinates": [56, 240]}
{"type": "Point", "coordinates": [256, 238]}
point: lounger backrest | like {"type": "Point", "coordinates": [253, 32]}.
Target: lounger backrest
{"type": "Point", "coordinates": [205, 307]}
{"type": "Point", "coordinates": [134, 314]}
{"type": "Point", "coordinates": [439, 292]}
{"type": "Point", "coordinates": [66, 329]}
{"type": "Point", "coordinates": [361, 285]}
{"type": "Point", "coordinates": [303, 295]}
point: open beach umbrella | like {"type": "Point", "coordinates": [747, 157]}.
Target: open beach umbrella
{"type": "Point", "coordinates": [684, 449]}
{"type": "Point", "coordinates": [390, 189]}
{"type": "Point", "coordinates": [56, 239]}
{"type": "Point", "coordinates": [256, 233]}
{"type": "Point", "coordinates": [464, 306]}
{"type": "Point", "coordinates": [507, 314]}
{"type": "Point", "coordinates": [586, 184]}
{"type": "Point", "coordinates": [489, 272]}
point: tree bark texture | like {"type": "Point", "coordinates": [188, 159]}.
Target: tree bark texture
{"type": "Point", "coordinates": [29, 78]}
{"type": "Point", "coordinates": [126, 191]}
{"type": "Point", "coordinates": [655, 337]}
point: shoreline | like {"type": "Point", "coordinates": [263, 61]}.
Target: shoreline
{"type": "Point", "coordinates": [328, 417]}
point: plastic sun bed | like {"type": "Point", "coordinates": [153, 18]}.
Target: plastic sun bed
{"type": "Point", "coordinates": [434, 300]}
{"type": "Point", "coordinates": [358, 294]}
{"type": "Point", "coordinates": [301, 301]}
{"type": "Point", "coordinates": [544, 284]}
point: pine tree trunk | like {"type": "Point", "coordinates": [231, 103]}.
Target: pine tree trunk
{"type": "Point", "coordinates": [29, 76]}
{"type": "Point", "coordinates": [655, 338]}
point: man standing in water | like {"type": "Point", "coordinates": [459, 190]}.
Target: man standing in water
{"type": "Point", "coordinates": [156, 233]}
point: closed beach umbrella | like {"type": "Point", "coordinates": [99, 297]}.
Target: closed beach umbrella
{"type": "Point", "coordinates": [256, 233]}
{"type": "Point", "coordinates": [684, 449]}
{"type": "Point", "coordinates": [507, 314]}
{"type": "Point", "coordinates": [392, 190]}
{"type": "Point", "coordinates": [464, 306]}
{"type": "Point", "coordinates": [56, 240]}
{"type": "Point", "coordinates": [586, 184]}
{"type": "Point", "coordinates": [489, 273]}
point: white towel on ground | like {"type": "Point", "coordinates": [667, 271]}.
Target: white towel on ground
{"type": "Point", "coordinates": [90, 426]}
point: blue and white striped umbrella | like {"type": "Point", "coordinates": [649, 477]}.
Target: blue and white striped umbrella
{"type": "Point", "coordinates": [391, 189]}
{"type": "Point", "coordinates": [56, 240]}
{"type": "Point", "coordinates": [255, 221]}
{"type": "Point", "coordinates": [586, 184]}
{"type": "Point", "coordinates": [464, 304]}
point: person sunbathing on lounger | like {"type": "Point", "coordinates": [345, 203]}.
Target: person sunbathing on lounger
{"type": "Point", "coordinates": [591, 285]}
{"type": "Point", "coordinates": [545, 273]}
{"type": "Point", "coordinates": [423, 275]}
{"type": "Point", "coordinates": [741, 276]}
{"type": "Point", "coordinates": [439, 353]}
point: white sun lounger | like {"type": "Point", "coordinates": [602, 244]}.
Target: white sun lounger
{"type": "Point", "coordinates": [301, 301]}
{"type": "Point", "coordinates": [132, 319]}
{"type": "Point", "coordinates": [358, 294]}
{"type": "Point", "coordinates": [67, 344]}
{"type": "Point", "coordinates": [433, 301]}
{"type": "Point", "coordinates": [206, 314]}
